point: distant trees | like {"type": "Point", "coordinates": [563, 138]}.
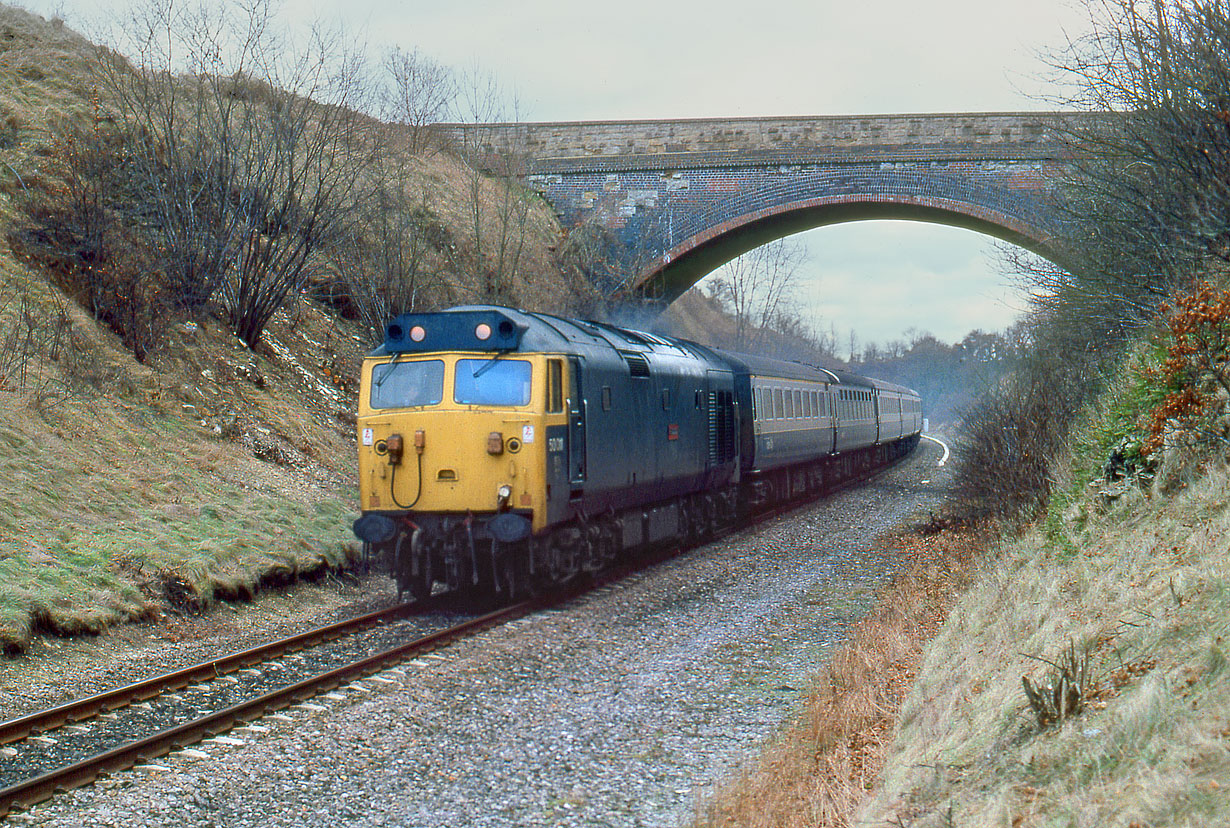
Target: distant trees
{"type": "Point", "coordinates": [949, 377]}
{"type": "Point", "coordinates": [758, 290]}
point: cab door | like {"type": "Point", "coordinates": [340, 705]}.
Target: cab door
{"type": "Point", "coordinates": [576, 427]}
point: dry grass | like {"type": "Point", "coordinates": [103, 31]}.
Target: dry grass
{"type": "Point", "coordinates": [818, 771]}
{"type": "Point", "coordinates": [1144, 588]}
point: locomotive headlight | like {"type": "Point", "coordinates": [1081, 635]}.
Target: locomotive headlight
{"type": "Point", "coordinates": [482, 332]}
{"type": "Point", "coordinates": [503, 494]}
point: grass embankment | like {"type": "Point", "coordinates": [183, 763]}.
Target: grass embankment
{"type": "Point", "coordinates": [1129, 577]}
{"type": "Point", "coordinates": [123, 499]}
{"type": "Point", "coordinates": [210, 470]}
{"type": "Point", "coordinates": [1144, 589]}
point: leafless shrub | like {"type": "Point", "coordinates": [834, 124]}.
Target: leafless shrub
{"type": "Point", "coordinates": [1061, 695]}
{"type": "Point", "coordinates": [497, 217]}
{"type": "Point", "coordinates": [72, 228]}
{"type": "Point", "coordinates": [27, 339]}
{"type": "Point", "coordinates": [1013, 435]}
{"type": "Point", "coordinates": [420, 92]}
{"type": "Point", "coordinates": [246, 149]}
{"type": "Point", "coordinates": [385, 258]}
{"type": "Point", "coordinates": [1147, 206]}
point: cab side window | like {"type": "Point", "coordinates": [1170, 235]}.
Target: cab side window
{"type": "Point", "coordinates": [555, 386]}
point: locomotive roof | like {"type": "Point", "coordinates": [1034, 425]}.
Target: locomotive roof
{"type": "Point", "coordinates": [508, 330]}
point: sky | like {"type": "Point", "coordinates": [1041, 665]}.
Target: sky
{"type": "Point", "coordinates": [620, 59]}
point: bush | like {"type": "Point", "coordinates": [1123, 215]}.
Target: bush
{"type": "Point", "coordinates": [1013, 436]}
{"type": "Point", "coordinates": [72, 231]}
{"type": "Point", "coordinates": [1194, 375]}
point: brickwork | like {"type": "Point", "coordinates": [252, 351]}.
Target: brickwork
{"type": "Point", "coordinates": [676, 199]}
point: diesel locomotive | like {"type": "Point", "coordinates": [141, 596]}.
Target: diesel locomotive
{"type": "Point", "coordinates": [501, 451]}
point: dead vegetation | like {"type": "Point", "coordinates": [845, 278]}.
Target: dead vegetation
{"type": "Point", "coordinates": [820, 769]}
{"type": "Point", "coordinates": [1124, 606]}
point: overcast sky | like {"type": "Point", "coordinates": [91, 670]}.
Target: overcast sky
{"type": "Point", "coordinates": [691, 58]}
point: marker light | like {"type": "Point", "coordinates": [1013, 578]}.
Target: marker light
{"type": "Point", "coordinates": [417, 333]}
{"type": "Point", "coordinates": [483, 331]}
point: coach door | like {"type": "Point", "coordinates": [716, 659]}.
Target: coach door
{"type": "Point", "coordinates": [576, 426]}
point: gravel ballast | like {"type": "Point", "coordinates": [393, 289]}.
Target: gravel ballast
{"type": "Point", "coordinates": [622, 708]}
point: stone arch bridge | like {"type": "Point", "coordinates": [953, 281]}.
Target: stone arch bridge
{"type": "Point", "coordinates": [669, 201]}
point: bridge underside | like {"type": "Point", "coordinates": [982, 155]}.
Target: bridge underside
{"type": "Point", "coordinates": [683, 266]}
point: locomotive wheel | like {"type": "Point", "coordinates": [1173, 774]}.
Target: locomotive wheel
{"type": "Point", "coordinates": [562, 554]}
{"type": "Point", "coordinates": [514, 576]}
{"type": "Point", "coordinates": [592, 549]}
{"type": "Point", "coordinates": [457, 568]}
{"type": "Point", "coordinates": [409, 556]}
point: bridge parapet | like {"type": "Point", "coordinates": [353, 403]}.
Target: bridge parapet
{"type": "Point", "coordinates": [999, 135]}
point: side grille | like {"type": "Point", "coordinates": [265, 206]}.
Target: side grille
{"type": "Point", "coordinates": [721, 427]}
{"type": "Point", "coordinates": [638, 366]}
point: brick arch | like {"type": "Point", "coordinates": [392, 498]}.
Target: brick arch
{"type": "Point", "coordinates": [684, 264]}
{"type": "Point", "coordinates": [667, 201]}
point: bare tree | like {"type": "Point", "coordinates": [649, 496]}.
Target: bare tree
{"type": "Point", "coordinates": [385, 256]}
{"type": "Point", "coordinates": [246, 146]}
{"type": "Point", "coordinates": [758, 288]}
{"type": "Point", "coordinates": [420, 92]}
{"type": "Point", "coordinates": [497, 204]}
{"type": "Point", "coordinates": [1151, 201]}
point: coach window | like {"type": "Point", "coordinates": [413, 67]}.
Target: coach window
{"type": "Point", "coordinates": [798, 403]}
{"type": "Point", "coordinates": [789, 404]}
{"type": "Point", "coordinates": [555, 386]}
{"type": "Point", "coordinates": [779, 410]}
{"type": "Point", "coordinates": [807, 404]}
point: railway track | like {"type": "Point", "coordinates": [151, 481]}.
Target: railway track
{"type": "Point", "coordinates": [38, 779]}
{"type": "Point", "coordinates": [70, 769]}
